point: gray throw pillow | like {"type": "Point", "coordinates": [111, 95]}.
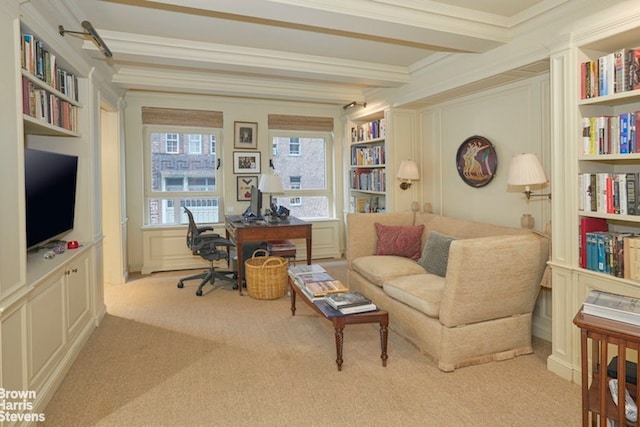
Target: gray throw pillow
{"type": "Point", "coordinates": [435, 254]}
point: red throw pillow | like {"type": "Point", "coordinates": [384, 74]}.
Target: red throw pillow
{"type": "Point", "coordinates": [399, 240]}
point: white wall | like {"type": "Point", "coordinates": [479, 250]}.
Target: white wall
{"type": "Point", "coordinates": [234, 109]}
{"type": "Point", "coordinates": [515, 119]}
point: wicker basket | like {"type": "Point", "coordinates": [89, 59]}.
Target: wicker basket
{"type": "Point", "coordinates": [266, 275]}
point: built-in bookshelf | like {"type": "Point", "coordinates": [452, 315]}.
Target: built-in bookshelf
{"type": "Point", "coordinates": [368, 166]}
{"type": "Point", "coordinates": [609, 153]}
{"type": "Point", "coordinates": [49, 91]}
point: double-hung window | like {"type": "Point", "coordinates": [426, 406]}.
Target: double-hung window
{"type": "Point", "coordinates": [180, 171]}
{"type": "Point", "coordinates": [303, 159]}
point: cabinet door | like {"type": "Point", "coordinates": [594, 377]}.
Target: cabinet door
{"type": "Point", "coordinates": [47, 334]}
{"type": "Point", "coordinates": [78, 296]}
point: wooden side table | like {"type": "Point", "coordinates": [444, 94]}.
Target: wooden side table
{"type": "Point", "coordinates": [597, 404]}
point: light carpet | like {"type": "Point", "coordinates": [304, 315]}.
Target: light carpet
{"type": "Point", "coordinates": [163, 356]}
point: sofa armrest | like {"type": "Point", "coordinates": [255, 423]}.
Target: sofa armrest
{"type": "Point", "coordinates": [492, 277]}
{"type": "Point", "coordinates": [361, 231]}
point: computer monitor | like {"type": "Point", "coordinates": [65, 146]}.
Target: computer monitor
{"type": "Point", "coordinates": [255, 205]}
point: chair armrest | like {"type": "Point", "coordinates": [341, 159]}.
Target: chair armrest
{"type": "Point", "coordinates": [205, 228]}
{"type": "Point", "coordinates": [492, 277]}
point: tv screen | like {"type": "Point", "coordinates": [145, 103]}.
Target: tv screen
{"type": "Point", "coordinates": [50, 193]}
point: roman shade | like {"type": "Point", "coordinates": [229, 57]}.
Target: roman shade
{"type": "Point", "coordinates": [310, 123]}
{"type": "Point", "coordinates": [181, 117]}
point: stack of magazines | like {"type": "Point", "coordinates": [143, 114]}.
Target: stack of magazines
{"type": "Point", "coordinates": [350, 302]}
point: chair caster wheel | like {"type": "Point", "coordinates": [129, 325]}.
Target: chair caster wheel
{"type": "Point", "coordinates": [199, 292]}
{"type": "Point", "coordinates": [180, 285]}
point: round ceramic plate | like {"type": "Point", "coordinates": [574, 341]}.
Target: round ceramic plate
{"type": "Point", "coordinates": [476, 161]}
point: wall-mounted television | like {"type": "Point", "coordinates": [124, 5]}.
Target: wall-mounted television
{"type": "Point", "coordinates": [50, 194]}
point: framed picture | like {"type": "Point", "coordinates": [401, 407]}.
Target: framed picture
{"type": "Point", "coordinates": [244, 187]}
{"type": "Point", "coordinates": [246, 135]}
{"type": "Point", "coordinates": [476, 161]}
{"type": "Point", "coordinates": [246, 162]}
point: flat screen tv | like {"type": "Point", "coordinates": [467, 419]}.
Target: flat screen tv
{"type": "Point", "coordinates": [50, 190]}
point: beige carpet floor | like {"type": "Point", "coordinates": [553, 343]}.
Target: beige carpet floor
{"type": "Point", "coordinates": [164, 357]}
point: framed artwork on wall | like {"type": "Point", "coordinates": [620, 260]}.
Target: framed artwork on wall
{"type": "Point", "coordinates": [246, 162]}
{"type": "Point", "coordinates": [244, 187]}
{"type": "Point", "coordinates": [245, 135]}
{"type": "Point", "coordinates": [476, 161]}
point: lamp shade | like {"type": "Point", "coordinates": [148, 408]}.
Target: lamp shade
{"type": "Point", "coordinates": [525, 169]}
{"type": "Point", "coordinates": [270, 183]}
{"type": "Point", "coordinates": [408, 171]}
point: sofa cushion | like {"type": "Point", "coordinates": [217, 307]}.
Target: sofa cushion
{"type": "Point", "coordinates": [422, 292]}
{"type": "Point", "coordinates": [435, 254]}
{"type": "Point", "coordinates": [398, 240]}
{"type": "Point", "coordinates": [378, 268]}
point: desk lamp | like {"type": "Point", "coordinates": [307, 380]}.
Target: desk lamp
{"type": "Point", "coordinates": [271, 184]}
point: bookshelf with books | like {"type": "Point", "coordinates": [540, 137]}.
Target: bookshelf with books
{"type": "Point", "coordinates": [596, 163]}
{"type": "Point", "coordinates": [368, 171]}
{"type": "Point", "coordinates": [608, 152]}
{"type": "Point", "coordinates": [50, 91]}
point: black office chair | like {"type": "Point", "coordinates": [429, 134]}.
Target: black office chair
{"type": "Point", "coordinates": [210, 246]}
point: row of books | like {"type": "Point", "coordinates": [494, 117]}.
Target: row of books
{"type": "Point", "coordinates": [613, 253]}
{"type": "Point", "coordinates": [367, 155]}
{"type": "Point", "coordinates": [325, 291]}
{"type": "Point", "coordinates": [611, 73]}
{"type": "Point", "coordinates": [375, 129]}
{"type": "Point", "coordinates": [369, 180]}
{"type": "Point", "coordinates": [607, 134]}
{"type": "Point", "coordinates": [47, 107]}
{"type": "Point", "coordinates": [611, 193]}
{"type": "Point", "coordinates": [38, 61]}
{"type": "Point", "coordinates": [364, 204]}
{"type": "Point", "coordinates": [621, 308]}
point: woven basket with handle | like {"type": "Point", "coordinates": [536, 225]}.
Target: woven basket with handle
{"type": "Point", "coordinates": [266, 275]}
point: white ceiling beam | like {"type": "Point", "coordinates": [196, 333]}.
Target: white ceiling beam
{"type": "Point", "coordinates": [203, 83]}
{"type": "Point", "coordinates": [210, 56]}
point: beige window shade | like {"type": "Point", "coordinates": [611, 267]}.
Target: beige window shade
{"type": "Point", "coordinates": [180, 117]}
{"type": "Point", "coordinates": [287, 122]}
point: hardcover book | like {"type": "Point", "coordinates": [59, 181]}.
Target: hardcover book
{"type": "Point", "coordinates": [613, 306]}
{"type": "Point", "coordinates": [358, 309]}
{"type": "Point", "coordinates": [346, 299]}
{"type": "Point", "coordinates": [325, 287]}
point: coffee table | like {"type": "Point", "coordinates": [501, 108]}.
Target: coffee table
{"type": "Point", "coordinates": [339, 322]}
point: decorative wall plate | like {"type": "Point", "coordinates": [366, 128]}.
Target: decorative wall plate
{"type": "Point", "coordinates": [476, 161]}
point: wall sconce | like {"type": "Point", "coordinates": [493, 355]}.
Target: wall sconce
{"type": "Point", "coordinates": [353, 104]}
{"type": "Point", "coordinates": [408, 172]}
{"type": "Point", "coordinates": [525, 170]}
{"type": "Point", "coordinates": [92, 33]}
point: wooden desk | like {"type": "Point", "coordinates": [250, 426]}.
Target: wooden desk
{"type": "Point", "coordinates": [596, 398]}
{"type": "Point", "coordinates": [259, 231]}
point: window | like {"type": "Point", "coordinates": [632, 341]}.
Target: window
{"type": "Point", "coordinates": [295, 182]}
{"type": "Point", "coordinates": [303, 162]}
{"type": "Point", "coordinates": [183, 174]}
{"type": "Point", "coordinates": [195, 144]}
{"type": "Point", "coordinates": [171, 143]}
{"type": "Point", "coordinates": [294, 146]}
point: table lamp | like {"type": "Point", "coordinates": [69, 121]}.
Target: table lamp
{"type": "Point", "coordinates": [271, 184]}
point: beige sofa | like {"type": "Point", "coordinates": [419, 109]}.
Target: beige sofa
{"type": "Point", "coordinates": [480, 311]}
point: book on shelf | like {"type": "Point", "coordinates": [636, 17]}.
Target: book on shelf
{"type": "Point", "coordinates": [616, 307]}
{"type": "Point", "coordinates": [589, 225]}
{"type": "Point", "coordinates": [346, 299]}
